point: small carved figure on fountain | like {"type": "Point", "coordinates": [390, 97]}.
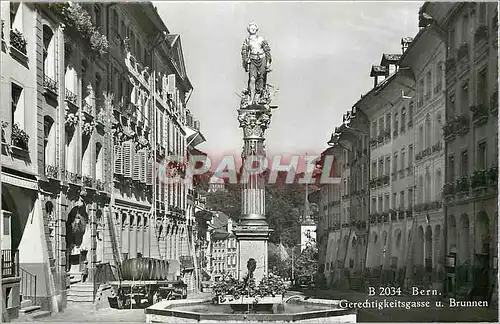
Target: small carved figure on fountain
{"type": "Point", "coordinates": [251, 266]}
{"type": "Point", "coordinates": [256, 60]}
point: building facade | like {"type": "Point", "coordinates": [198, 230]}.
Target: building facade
{"type": "Point", "coordinates": [433, 156]}
{"type": "Point", "coordinates": [78, 175]}
{"type": "Point", "coordinates": [471, 140]}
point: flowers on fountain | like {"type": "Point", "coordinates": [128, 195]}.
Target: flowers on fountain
{"type": "Point", "coordinates": [88, 128]}
{"type": "Point", "coordinates": [230, 288]}
{"type": "Point", "coordinates": [142, 143]}
{"type": "Point", "coordinates": [71, 119]}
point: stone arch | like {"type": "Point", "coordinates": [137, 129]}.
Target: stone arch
{"type": "Point", "coordinates": [76, 225]}
{"type": "Point", "coordinates": [428, 245]}
{"type": "Point", "coordinates": [482, 233]}
{"type": "Point", "coordinates": [464, 248]}
{"type": "Point", "coordinates": [419, 247]}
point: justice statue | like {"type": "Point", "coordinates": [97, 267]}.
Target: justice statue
{"type": "Point", "coordinates": [256, 59]}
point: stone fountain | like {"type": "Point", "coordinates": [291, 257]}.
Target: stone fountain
{"type": "Point", "coordinates": [252, 232]}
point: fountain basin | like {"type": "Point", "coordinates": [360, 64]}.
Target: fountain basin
{"type": "Point", "coordinates": [204, 311]}
{"type": "Point", "coordinates": [251, 300]}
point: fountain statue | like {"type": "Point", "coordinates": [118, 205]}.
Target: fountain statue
{"type": "Point", "coordinates": [254, 117]}
{"type": "Point", "coordinates": [255, 295]}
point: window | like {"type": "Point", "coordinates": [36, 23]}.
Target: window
{"type": "Point", "coordinates": [17, 108]}
{"type": "Point", "coordinates": [374, 129]}
{"type": "Point", "coordinates": [374, 169]}
{"type": "Point", "coordinates": [420, 90]}
{"type": "Point", "coordinates": [396, 122]}
{"type": "Point", "coordinates": [14, 8]}
{"type": "Point", "coordinates": [428, 88]}
{"type": "Point", "coordinates": [464, 107]}
{"type": "Point", "coordinates": [381, 126]}
{"type": "Point", "coordinates": [482, 13]}
{"type": "Point", "coordinates": [394, 200]}
{"type": "Point", "coordinates": [428, 131]}
{"type": "Point", "coordinates": [99, 162]}
{"type": "Point", "coordinates": [403, 153]}
{"type": "Point", "coordinates": [410, 155]}
{"type": "Point", "coordinates": [481, 155]}
{"type": "Point", "coordinates": [98, 16]}
{"type": "Point", "coordinates": [388, 165]}
{"type": "Point", "coordinates": [380, 204]}
{"type": "Point", "coordinates": [395, 163]}
{"type": "Point", "coordinates": [482, 88]}
{"type": "Point", "coordinates": [421, 138]}
{"type": "Point", "coordinates": [451, 168]}
{"type": "Point", "coordinates": [49, 59]}
{"type": "Point", "coordinates": [388, 122]}
{"type": "Point", "coordinates": [452, 39]}
{"type": "Point", "coordinates": [439, 77]}
{"type": "Point", "coordinates": [403, 120]}
{"type": "Point", "coordinates": [374, 205]}
{"type": "Point", "coordinates": [380, 167]}
{"type": "Point", "coordinates": [49, 141]}
{"type": "Point", "coordinates": [410, 198]}
{"type": "Point", "coordinates": [410, 114]}
{"type": "Point", "coordinates": [387, 205]}
{"type": "Point", "coordinates": [465, 29]}
{"type": "Point", "coordinates": [439, 128]}
{"type": "Point", "coordinates": [464, 163]}
{"type": "Point", "coordinates": [451, 105]}
{"type": "Point", "coordinates": [402, 199]}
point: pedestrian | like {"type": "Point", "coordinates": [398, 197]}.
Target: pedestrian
{"type": "Point", "coordinates": [85, 273]}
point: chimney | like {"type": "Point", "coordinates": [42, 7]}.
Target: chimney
{"type": "Point", "coordinates": [229, 225]}
{"type": "Point", "coordinates": [405, 43]}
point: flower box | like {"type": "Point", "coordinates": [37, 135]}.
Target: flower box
{"type": "Point", "coordinates": [230, 300]}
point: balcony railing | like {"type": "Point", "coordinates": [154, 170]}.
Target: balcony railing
{"type": "Point", "coordinates": [70, 97]}
{"type": "Point", "coordinates": [479, 114]}
{"type": "Point", "coordinates": [10, 263]}
{"type": "Point", "coordinates": [51, 171]}
{"type": "Point", "coordinates": [28, 285]}
{"type": "Point", "coordinates": [50, 84]}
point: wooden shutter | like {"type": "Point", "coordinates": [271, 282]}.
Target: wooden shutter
{"type": "Point", "coordinates": [127, 159]}
{"type": "Point", "coordinates": [149, 171]}
{"type": "Point", "coordinates": [136, 167]}
{"type": "Point", "coordinates": [143, 160]}
{"type": "Point", "coordinates": [171, 85]}
{"type": "Point", "coordinates": [118, 163]}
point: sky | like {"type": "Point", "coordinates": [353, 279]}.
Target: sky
{"type": "Point", "coordinates": [322, 56]}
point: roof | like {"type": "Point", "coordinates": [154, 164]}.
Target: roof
{"type": "Point", "coordinates": [220, 235]}
{"type": "Point", "coordinates": [220, 219]}
{"type": "Point", "coordinates": [378, 70]}
{"type": "Point", "coordinates": [390, 59]}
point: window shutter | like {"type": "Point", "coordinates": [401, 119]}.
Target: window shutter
{"type": "Point", "coordinates": [118, 163]}
{"type": "Point", "coordinates": [149, 171]}
{"type": "Point", "coordinates": [136, 167]}
{"type": "Point", "coordinates": [171, 85]}
{"type": "Point", "coordinates": [127, 159]}
{"type": "Point", "coordinates": [143, 160]}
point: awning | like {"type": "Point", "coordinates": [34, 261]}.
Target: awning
{"type": "Point", "coordinates": [193, 137]}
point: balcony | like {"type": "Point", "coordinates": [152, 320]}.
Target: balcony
{"type": "Point", "coordinates": [380, 138]}
{"type": "Point", "coordinates": [88, 182]}
{"type": "Point", "coordinates": [449, 131]}
{"type": "Point", "coordinates": [18, 46]}
{"type": "Point", "coordinates": [462, 124]}
{"type": "Point", "coordinates": [373, 142]}
{"type": "Point", "coordinates": [10, 263]}
{"type": "Point", "coordinates": [50, 86]}
{"type": "Point", "coordinates": [51, 171]}
{"type": "Point", "coordinates": [483, 179]}
{"type": "Point", "coordinates": [462, 185]}
{"type": "Point", "coordinates": [87, 108]}
{"type": "Point", "coordinates": [448, 189]}
{"type": "Point", "coordinates": [437, 147]}
{"type": "Point", "coordinates": [70, 97]}
{"type": "Point", "coordinates": [479, 114]}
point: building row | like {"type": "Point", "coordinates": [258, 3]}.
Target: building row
{"type": "Point", "coordinates": [94, 101]}
{"type": "Point", "coordinates": [418, 160]}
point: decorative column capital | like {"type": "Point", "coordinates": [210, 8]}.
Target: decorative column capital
{"type": "Point", "coordinates": [254, 122]}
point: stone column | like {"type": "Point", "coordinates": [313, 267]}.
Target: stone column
{"type": "Point", "coordinates": [253, 231]}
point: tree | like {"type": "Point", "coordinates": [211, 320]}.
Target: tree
{"type": "Point", "coordinates": [306, 264]}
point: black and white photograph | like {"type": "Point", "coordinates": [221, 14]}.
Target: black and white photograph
{"type": "Point", "coordinates": [249, 161]}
